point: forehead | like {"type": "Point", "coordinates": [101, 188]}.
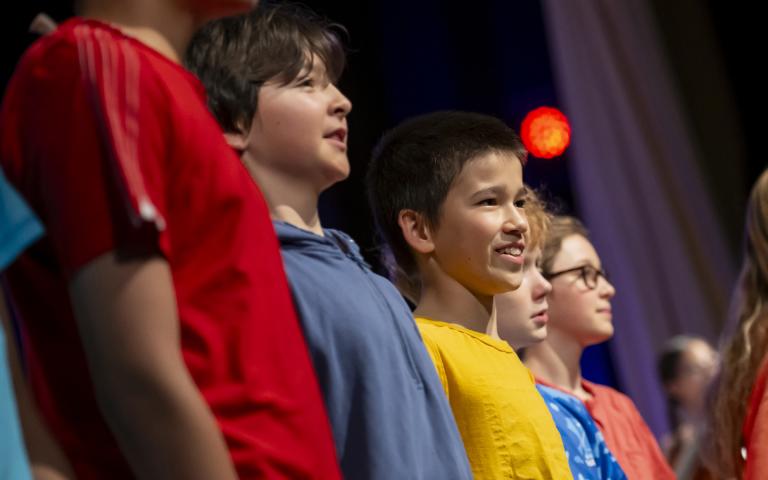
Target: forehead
{"type": "Point", "coordinates": [575, 250]}
{"type": "Point", "coordinates": [492, 169]}
{"type": "Point", "coordinates": [313, 63]}
{"type": "Point", "coordinates": [698, 350]}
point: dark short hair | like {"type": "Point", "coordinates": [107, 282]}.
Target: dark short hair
{"type": "Point", "coordinates": [234, 56]}
{"type": "Point", "coordinates": [415, 164]}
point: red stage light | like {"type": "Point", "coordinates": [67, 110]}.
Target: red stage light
{"type": "Point", "coordinates": [546, 132]}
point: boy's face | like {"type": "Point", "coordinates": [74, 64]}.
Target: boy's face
{"type": "Point", "coordinates": [522, 313]}
{"type": "Point", "coordinates": [300, 129]}
{"type": "Point", "coordinates": [479, 240]}
{"type": "Point", "coordinates": [576, 310]}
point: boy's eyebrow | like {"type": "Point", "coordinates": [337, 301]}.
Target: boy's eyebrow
{"type": "Point", "coordinates": [494, 189]}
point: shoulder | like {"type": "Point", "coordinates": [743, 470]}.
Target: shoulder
{"type": "Point", "coordinates": [94, 63]}
{"type": "Point", "coordinates": [51, 60]}
{"type": "Point", "coordinates": [437, 333]}
{"type": "Point", "coordinates": [606, 394]}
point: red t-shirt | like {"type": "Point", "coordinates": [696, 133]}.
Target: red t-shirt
{"type": "Point", "coordinates": [755, 429]}
{"type": "Point", "coordinates": [626, 433]}
{"type": "Point", "coordinates": [113, 147]}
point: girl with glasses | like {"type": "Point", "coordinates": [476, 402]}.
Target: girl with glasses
{"type": "Point", "coordinates": [579, 315]}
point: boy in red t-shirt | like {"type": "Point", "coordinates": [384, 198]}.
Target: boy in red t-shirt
{"type": "Point", "coordinates": [165, 334]}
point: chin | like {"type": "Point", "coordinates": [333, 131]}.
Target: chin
{"type": "Point", "coordinates": [337, 172]}
{"type": "Point", "coordinates": [496, 284]}
{"type": "Point", "coordinates": [514, 279]}
{"type": "Point", "coordinates": [600, 335]}
{"type": "Point", "coordinates": [343, 175]}
{"type": "Point", "coordinates": [330, 178]}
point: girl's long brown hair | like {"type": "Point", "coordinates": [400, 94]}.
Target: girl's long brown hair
{"type": "Point", "coordinates": [744, 353]}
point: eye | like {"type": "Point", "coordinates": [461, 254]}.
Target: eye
{"type": "Point", "coordinates": [520, 203]}
{"type": "Point", "coordinates": [488, 202]}
{"type": "Point", "coordinates": [306, 82]}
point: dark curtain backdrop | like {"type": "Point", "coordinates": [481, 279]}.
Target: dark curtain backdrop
{"type": "Point", "coordinates": [666, 105]}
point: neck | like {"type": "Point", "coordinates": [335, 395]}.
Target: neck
{"type": "Point", "coordinates": [161, 25]}
{"type": "Point", "coordinates": [556, 361]}
{"type": "Point", "coordinates": [289, 200]}
{"type": "Point", "coordinates": [445, 299]}
{"type": "Point", "coordinates": [492, 329]}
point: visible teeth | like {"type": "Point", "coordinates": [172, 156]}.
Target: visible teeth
{"type": "Point", "coordinates": [514, 251]}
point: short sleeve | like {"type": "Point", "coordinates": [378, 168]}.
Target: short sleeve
{"type": "Point", "coordinates": [84, 136]}
{"type": "Point", "coordinates": [437, 360]}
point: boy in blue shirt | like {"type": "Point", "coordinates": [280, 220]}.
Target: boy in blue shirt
{"type": "Point", "coordinates": [270, 77]}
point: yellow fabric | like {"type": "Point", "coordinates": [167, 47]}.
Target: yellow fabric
{"type": "Point", "coordinates": [506, 427]}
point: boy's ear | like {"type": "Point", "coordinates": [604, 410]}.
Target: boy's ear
{"type": "Point", "coordinates": [415, 231]}
{"type": "Point", "coordinates": [240, 138]}
{"type": "Point", "coordinates": [236, 140]}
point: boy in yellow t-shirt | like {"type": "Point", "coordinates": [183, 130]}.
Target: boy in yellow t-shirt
{"type": "Point", "coordinates": [447, 193]}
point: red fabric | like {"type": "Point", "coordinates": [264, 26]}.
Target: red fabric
{"type": "Point", "coordinates": [755, 430]}
{"type": "Point", "coordinates": [626, 433]}
{"type": "Point", "coordinates": [112, 146]}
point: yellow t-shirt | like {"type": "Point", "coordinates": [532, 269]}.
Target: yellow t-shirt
{"type": "Point", "coordinates": [506, 427]}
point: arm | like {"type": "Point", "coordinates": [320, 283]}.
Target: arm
{"type": "Point", "coordinates": [46, 459]}
{"type": "Point", "coordinates": [126, 313]}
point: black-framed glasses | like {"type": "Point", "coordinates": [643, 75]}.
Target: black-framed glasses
{"type": "Point", "coordinates": [588, 274]}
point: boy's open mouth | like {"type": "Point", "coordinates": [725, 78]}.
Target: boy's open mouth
{"type": "Point", "coordinates": [339, 134]}
{"type": "Point", "coordinates": [512, 250]}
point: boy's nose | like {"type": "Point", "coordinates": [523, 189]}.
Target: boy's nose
{"type": "Point", "coordinates": [340, 105]}
{"type": "Point", "coordinates": [516, 222]}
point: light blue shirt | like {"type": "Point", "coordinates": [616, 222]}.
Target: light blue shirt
{"type": "Point", "coordinates": [18, 229]}
{"type": "Point", "coordinates": [588, 455]}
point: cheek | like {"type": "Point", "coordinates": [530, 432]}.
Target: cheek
{"type": "Point", "coordinates": [479, 233]}
{"type": "Point", "coordinates": [571, 311]}
{"type": "Point", "coordinates": [699, 384]}
{"type": "Point", "coordinates": [515, 320]}
{"type": "Point", "coordinates": [689, 391]}
{"type": "Point", "coordinates": [460, 237]}
{"type": "Point", "coordinates": [523, 300]}
{"type": "Point", "coordinates": [284, 133]}
{"type": "Point", "coordinates": [514, 306]}
{"type": "Point", "coordinates": [563, 305]}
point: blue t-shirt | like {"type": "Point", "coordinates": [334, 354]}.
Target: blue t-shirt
{"type": "Point", "coordinates": [588, 455]}
{"type": "Point", "coordinates": [388, 410]}
{"type": "Point", "coordinates": [18, 229]}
